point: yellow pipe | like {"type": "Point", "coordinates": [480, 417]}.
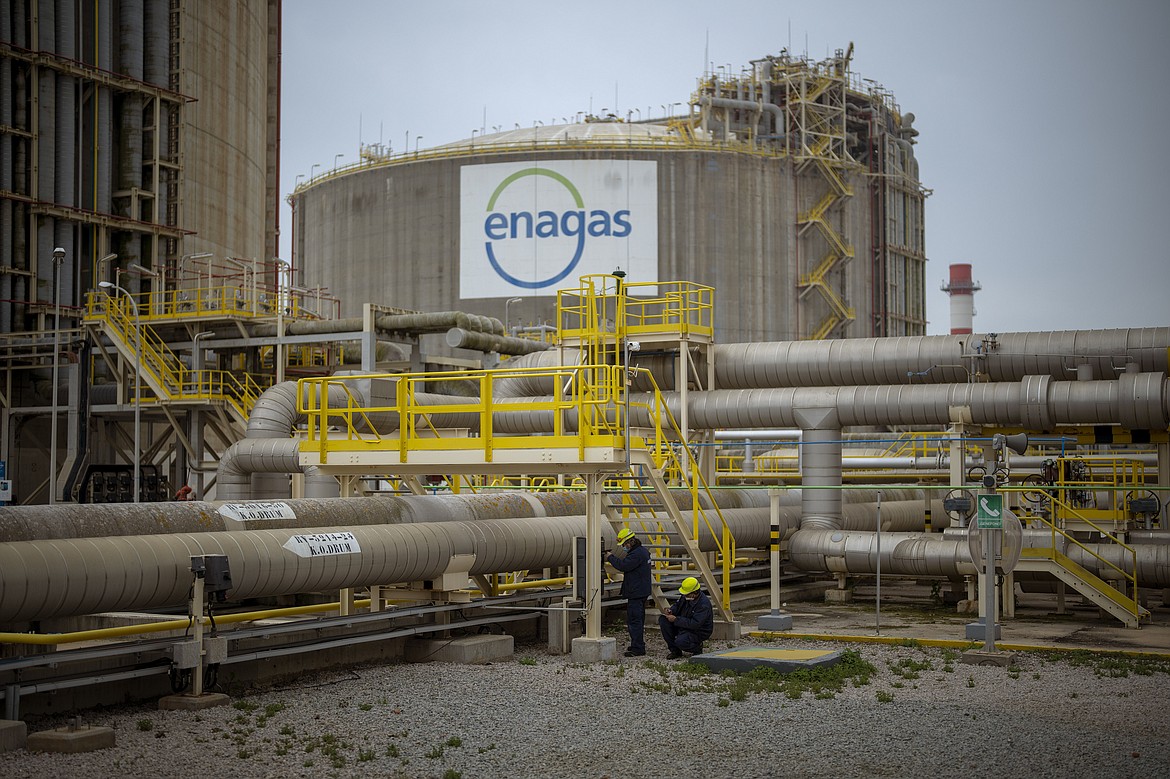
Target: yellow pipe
{"type": "Point", "coordinates": [535, 583]}
{"type": "Point", "coordinates": [172, 624]}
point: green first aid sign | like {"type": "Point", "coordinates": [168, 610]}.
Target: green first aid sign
{"type": "Point", "coordinates": [989, 512]}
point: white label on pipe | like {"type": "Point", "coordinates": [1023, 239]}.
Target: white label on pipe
{"type": "Point", "coordinates": [323, 544]}
{"type": "Point", "coordinates": [244, 512]}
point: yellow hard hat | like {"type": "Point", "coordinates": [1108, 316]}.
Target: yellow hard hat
{"type": "Point", "coordinates": [689, 585]}
{"type": "Point", "coordinates": [624, 535]}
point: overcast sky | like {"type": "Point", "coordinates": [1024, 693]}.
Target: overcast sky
{"type": "Point", "coordinates": [1044, 123]}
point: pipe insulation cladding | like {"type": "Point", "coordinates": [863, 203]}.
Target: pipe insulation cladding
{"type": "Point", "coordinates": [929, 359]}
{"type": "Point", "coordinates": [1138, 401]}
{"type": "Point", "coordinates": [72, 577]}
{"type": "Point", "coordinates": [34, 523]}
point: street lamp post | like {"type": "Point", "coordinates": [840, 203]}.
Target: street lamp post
{"type": "Point", "coordinates": [198, 275]}
{"type": "Point", "coordinates": [101, 266]}
{"type": "Point", "coordinates": [417, 138]}
{"type": "Point", "coordinates": [58, 258]}
{"type": "Point", "coordinates": [137, 386]}
{"type": "Point", "coordinates": [507, 319]}
{"type": "Point", "coordinates": [336, 157]}
{"type": "Point", "coordinates": [151, 304]}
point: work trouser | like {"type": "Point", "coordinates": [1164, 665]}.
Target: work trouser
{"type": "Point", "coordinates": [679, 640]}
{"type": "Point", "coordinates": [636, 622]}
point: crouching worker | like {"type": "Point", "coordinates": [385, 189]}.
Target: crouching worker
{"type": "Point", "coordinates": [689, 622]}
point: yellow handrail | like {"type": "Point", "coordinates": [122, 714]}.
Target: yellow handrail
{"type": "Point", "coordinates": [1132, 552]}
{"type": "Point", "coordinates": [665, 453]}
{"type": "Point", "coordinates": [587, 393]}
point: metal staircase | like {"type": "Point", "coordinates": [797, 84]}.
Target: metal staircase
{"type": "Point", "coordinates": [159, 369]}
{"type": "Point", "coordinates": [1052, 559]}
{"type": "Point", "coordinates": [1088, 584]}
{"type": "Point", "coordinates": [641, 500]}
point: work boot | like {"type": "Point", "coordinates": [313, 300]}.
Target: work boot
{"type": "Point", "coordinates": [635, 653]}
{"type": "Point", "coordinates": [674, 655]}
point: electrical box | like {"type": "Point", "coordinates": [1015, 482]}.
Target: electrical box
{"type": "Point", "coordinates": [217, 578]}
{"type": "Point", "coordinates": [579, 551]}
{"type": "Point", "coordinates": [185, 654]}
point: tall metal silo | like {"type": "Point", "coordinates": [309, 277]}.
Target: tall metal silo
{"type": "Point", "coordinates": [791, 188]}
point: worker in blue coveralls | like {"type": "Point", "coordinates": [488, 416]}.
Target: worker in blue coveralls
{"type": "Point", "coordinates": [688, 622]}
{"type": "Point", "coordinates": [635, 564]}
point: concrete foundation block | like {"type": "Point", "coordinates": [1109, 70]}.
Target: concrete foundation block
{"type": "Point", "coordinates": [207, 700]}
{"type": "Point", "coordinates": [977, 631]}
{"type": "Point", "coordinates": [726, 631]}
{"type": "Point", "coordinates": [13, 734]}
{"type": "Point", "coordinates": [563, 626]}
{"type": "Point", "coordinates": [472, 649]}
{"type": "Point", "coordinates": [594, 650]}
{"type": "Point", "coordinates": [69, 740]}
{"type": "Point", "coordinates": [774, 622]}
{"type": "Point", "coordinates": [981, 657]}
{"type": "Point", "coordinates": [838, 596]}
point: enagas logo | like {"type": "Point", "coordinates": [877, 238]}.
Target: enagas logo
{"type": "Point", "coordinates": [518, 240]}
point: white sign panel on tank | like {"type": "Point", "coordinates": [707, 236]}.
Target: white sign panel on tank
{"type": "Point", "coordinates": [536, 227]}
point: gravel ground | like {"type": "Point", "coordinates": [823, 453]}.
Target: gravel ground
{"type": "Point", "coordinates": [922, 713]}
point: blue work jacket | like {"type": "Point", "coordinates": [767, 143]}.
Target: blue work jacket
{"type": "Point", "coordinates": [636, 567]}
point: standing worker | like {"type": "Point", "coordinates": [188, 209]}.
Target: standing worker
{"type": "Point", "coordinates": [635, 564]}
{"type": "Point", "coordinates": [689, 622]}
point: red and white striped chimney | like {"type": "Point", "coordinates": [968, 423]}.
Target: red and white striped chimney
{"type": "Point", "coordinates": [962, 291]}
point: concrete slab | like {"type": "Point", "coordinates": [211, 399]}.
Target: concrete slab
{"type": "Point", "coordinates": [13, 734]}
{"type": "Point", "coordinates": [70, 740]}
{"type": "Point", "coordinates": [594, 650]}
{"type": "Point", "coordinates": [472, 649]}
{"type": "Point", "coordinates": [783, 661]}
{"type": "Point", "coordinates": [207, 700]}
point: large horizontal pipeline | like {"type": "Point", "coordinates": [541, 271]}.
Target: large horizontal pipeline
{"type": "Point", "coordinates": [72, 577]}
{"type": "Point", "coordinates": [928, 359]}
{"type": "Point", "coordinates": [946, 554]}
{"type": "Point", "coordinates": [33, 523]}
{"type": "Point", "coordinates": [1138, 401]}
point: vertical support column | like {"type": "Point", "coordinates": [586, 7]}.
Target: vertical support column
{"type": "Point", "coordinates": [1164, 481]}
{"type": "Point", "coordinates": [684, 422]}
{"type": "Point", "coordinates": [592, 647]}
{"type": "Point", "coordinates": [369, 341]}
{"type": "Point", "coordinates": [197, 609]}
{"type": "Point", "coordinates": [775, 620]}
{"type": "Point", "coordinates": [593, 593]}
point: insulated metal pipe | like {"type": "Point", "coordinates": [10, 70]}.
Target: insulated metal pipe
{"type": "Point", "coordinates": [1137, 401]}
{"type": "Point", "coordinates": [72, 577]}
{"type": "Point", "coordinates": [926, 359]}
{"type": "Point", "coordinates": [820, 466]}
{"type": "Point", "coordinates": [60, 578]}
{"type": "Point", "coordinates": [458, 338]}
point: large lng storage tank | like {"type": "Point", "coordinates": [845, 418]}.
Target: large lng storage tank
{"type": "Point", "coordinates": [791, 188]}
{"type": "Point", "coordinates": [138, 146]}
